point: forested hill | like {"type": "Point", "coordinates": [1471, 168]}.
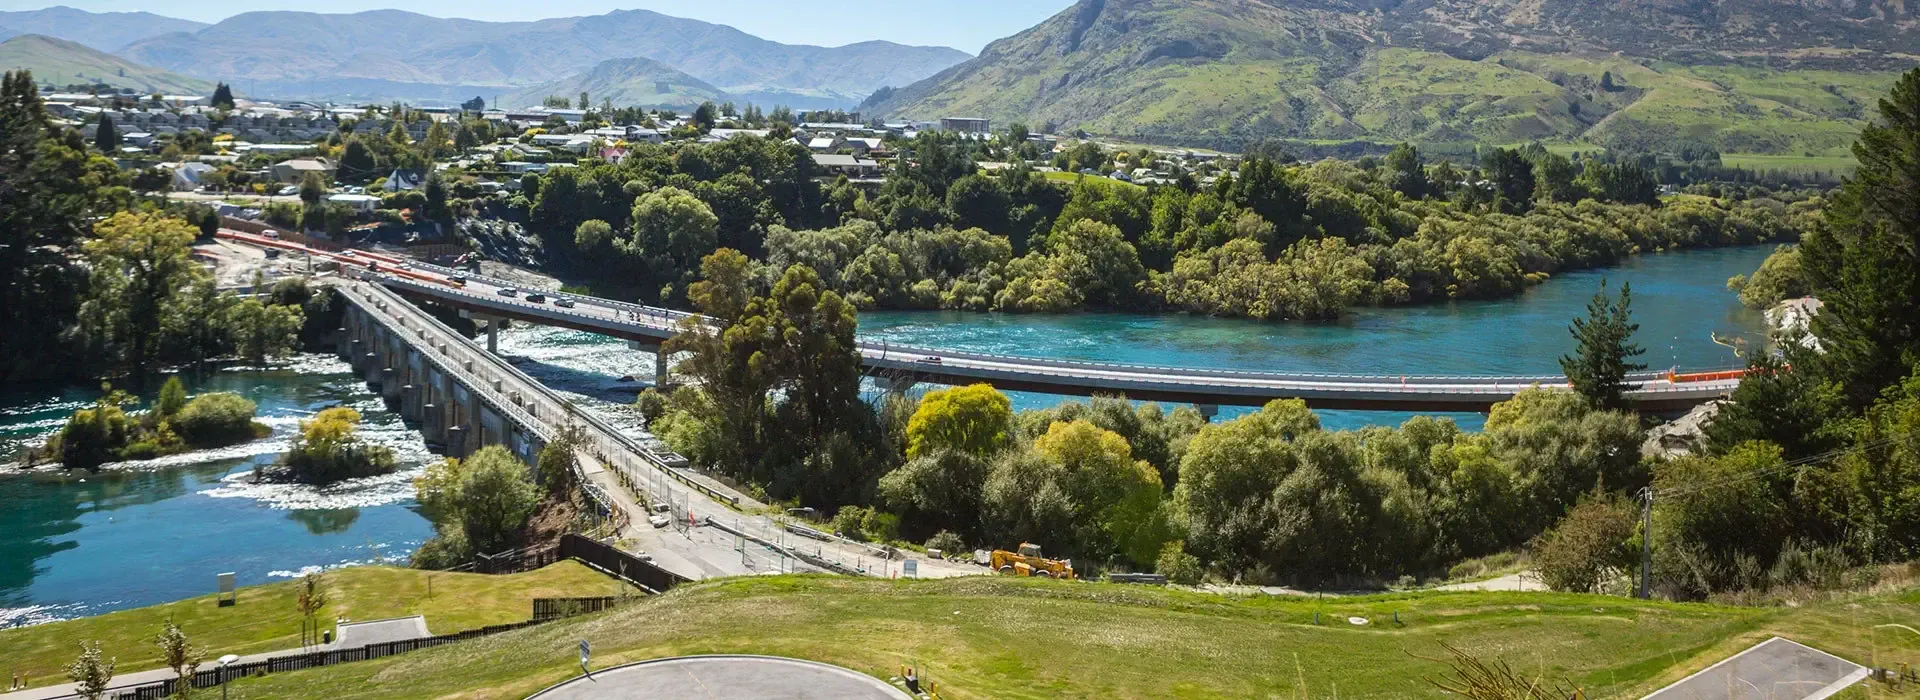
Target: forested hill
{"type": "Point", "coordinates": [1760, 76]}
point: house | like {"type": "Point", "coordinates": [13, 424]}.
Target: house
{"type": "Point", "coordinates": [142, 139]}
{"type": "Point", "coordinates": [362, 203]}
{"type": "Point", "coordinates": [188, 176]}
{"type": "Point", "coordinates": [406, 179]}
{"type": "Point", "coordinates": [578, 143]}
{"type": "Point", "coordinates": [850, 166]}
{"type": "Point", "coordinates": [521, 167]}
{"type": "Point", "coordinates": [293, 172]}
{"type": "Point", "coordinates": [966, 125]}
{"type": "Point", "coordinates": [729, 134]}
{"type": "Point", "coordinates": [826, 144]}
{"type": "Point", "coordinates": [864, 145]}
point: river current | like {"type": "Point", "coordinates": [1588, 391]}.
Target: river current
{"type": "Point", "coordinates": [139, 534]}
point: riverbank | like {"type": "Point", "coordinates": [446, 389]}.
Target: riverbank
{"type": "Point", "coordinates": [135, 534]}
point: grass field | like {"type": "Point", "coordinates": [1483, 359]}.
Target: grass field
{"type": "Point", "coordinates": [264, 618]}
{"type": "Point", "coordinates": [1070, 178]}
{"type": "Point", "coordinates": [1008, 638]}
{"type": "Point", "coordinates": [1839, 164]}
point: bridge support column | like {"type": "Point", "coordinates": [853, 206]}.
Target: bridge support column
{"type": "Point", "coordinates": [660, 368]}
{"type": "Point", "coordinates": [1207, 411]}
{"type": "Point", "coordinates": [899, 384]}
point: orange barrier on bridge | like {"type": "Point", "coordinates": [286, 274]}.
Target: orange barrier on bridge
{"type": "Point", "coordinates": [1682, 378]}
{"type": "Point", "coordinates": [373, 262]}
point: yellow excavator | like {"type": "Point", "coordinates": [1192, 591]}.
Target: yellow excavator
{"type": "Point", "coordinates": [1028, 562]}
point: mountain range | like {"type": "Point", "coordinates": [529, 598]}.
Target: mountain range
{"type": "Point", "coordinates": [638, 82]}
{"type": "Point", "coordinates": [105, 31]}
{"type": "Point", "coordinates": [1751, 76]}
{"type": "Point", "coordinates": [63, 62]}
{"type": "Point", "coordinates": [406, 55]}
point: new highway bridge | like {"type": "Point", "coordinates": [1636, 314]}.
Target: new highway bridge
{"type": "Point", "coordinates": [646, 326]}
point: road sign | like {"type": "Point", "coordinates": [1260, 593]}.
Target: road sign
{"type": "Point", "coordinates": [586, 654]}
{"type": "Point", "coordinates": [910, 568]}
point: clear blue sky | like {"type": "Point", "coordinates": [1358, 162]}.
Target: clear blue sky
{"type": "Point", "coordinates": [962, 24]}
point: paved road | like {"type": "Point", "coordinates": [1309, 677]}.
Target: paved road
{"type": "Point", "coordinates": [730, 677]}
{"type": "Point", "coordinates": [1776, 669]}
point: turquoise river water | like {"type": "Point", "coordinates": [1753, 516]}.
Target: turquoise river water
{"type": "Point", "coordinates": [135, 535]}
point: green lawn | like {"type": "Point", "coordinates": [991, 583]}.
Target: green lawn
{"type": "Point", "coordinates": [1070, 178]}
{"type": "Point", "coordinates": [987, 637]}
{"type": "Point", "coordinates": [1840, 164]}
{"type": "Point", "coordinates": [264, 619]}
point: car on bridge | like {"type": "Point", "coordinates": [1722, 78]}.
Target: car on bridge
{"type": "Point", "coordinates": [563, 302]}
{"type": "Point", "coordinates": [536, 298]}
{"type": "Point", "coordinates": [930, 359]}
{"type": "Point", "coordinates": [508, 292]}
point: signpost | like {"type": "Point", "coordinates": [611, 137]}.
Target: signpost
{"type": "Point", "coordinates": [227, 596]}
{"type": "Point", "coordinates": [586, 655]}
{"type": "Point", "coordinates": [910, 568]}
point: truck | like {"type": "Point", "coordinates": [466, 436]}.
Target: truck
{"type": "Point", "coordinates": [1028, 562]}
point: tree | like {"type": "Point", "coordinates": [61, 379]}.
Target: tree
{"type": "Point", "coordinates": [585, 103]}
{"type": "Point", "coordinates": [179, 654]}
{"type": "Point", "coordinates": [591, 234]}
{"type": "Point", "coordinates": [312, 189]}
{"type": "Point", "coordinates": [1406, 173]}
{"type": "Point", "coordinates": [261, 330]}
{"type": "Point", "coordinates": [357, 161]}
{"type": "Point", "coordinates": [1864, 264]}
{"type": "Point", "coordinates": [223, 97]}
{"type": "Point", "coordinates": [140, 262]}
{"type": "Point", "coordinates": [1512, 177]}
{"type": "Point", "coordinates": [558, 464]}
{"type": "Point", "coordinates": [438, 142]}
{"type": "Point", "coordinates": [474, 105]}
{"type": "Point", "coordinates": [979, 201]}
{"type": "Point", "coordinates": [106, 138]}
{"type": "Point", "coordinates": [1587, 548]}
{"type": "Point", "coordinates": [46, 207]}
{"type": "Point", "coordinates": [1178, 566]}
{"type": "Point", "coordinates": [975, 419]}
{"type": "Point", "coordinates": [91, 672]}
{"type": "Point", "coordinates": [1599, 366]}
{"type": "Point", "coordinates": [706, 115]}
{"type": "Point", "coordinates": [1606, 81]}
{"type": "Point", "coordinates": [310, 601]}
{"type": "Point", "coordinates": [1555, 177]}
{"type": "Point", "coordinates": [673, 225]}
{"type": "Point", "coordinates": [327, 451]}
{"type": "Point", "coordinates": [494, 499]}
{"type": "Point", "coordinates": [173, 397]}
{"type": "Point", "coordinates": [436, 208]}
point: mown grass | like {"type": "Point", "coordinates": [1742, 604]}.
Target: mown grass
{"type": "Point", "coordinates": [264, 618]}
{"type": "Point", "coordinates": [1838, 164]}
{"type": "Point", "coordinates": [987, 637]}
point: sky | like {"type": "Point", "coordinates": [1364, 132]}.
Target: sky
{"type": "Point", "coordinates": [967, 25]}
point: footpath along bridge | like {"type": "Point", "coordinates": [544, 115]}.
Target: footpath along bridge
{"type": "Point", "coordinates": [647, 327]}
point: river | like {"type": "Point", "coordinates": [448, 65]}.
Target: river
{"type": "Point", "coordinates": [73, 545]}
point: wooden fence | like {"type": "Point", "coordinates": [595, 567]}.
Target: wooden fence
{"type": "Point", "coordinates": [545, 609]}
{"type": "Point", "coordinates": [619, 564]}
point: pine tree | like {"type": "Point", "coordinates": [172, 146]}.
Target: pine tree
{"type": "Point", "coordinates": [107, 138]}
{"type": "Point", "coordinates": [1599, 367]}
{"type": "Point", "coordinates": [222, 97]}
{"type": "Point", "coordinates": [1864, 265]}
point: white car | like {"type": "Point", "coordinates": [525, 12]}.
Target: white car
{"type": "Point", "coordinates": [658, 521]}
{"type": "Point", "coordinates": [289, 191]}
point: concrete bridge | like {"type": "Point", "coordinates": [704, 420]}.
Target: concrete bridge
{"type": "Point", "coordinates": [463, 397]}
{"type": "Point", "coordinates": [648, 327]}
{"type": "Point", "coordinates": [645, 327]}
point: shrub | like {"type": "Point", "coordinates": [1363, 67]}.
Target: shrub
{"type": "Point", "coordinates": [652, 405]}
{"type": "Point", "coordinates": [850, 522]}
{"type": "Point", "coordinates": [173, 397]}
{"type": "Point", "coordinates": [211, 420]}
{"type": "Point", "coordinates": [1177, 565]}
{"type": "Point", "coordinates": [947, 542]}
{"type": "Point", "coordinates": [94, 436]}
{"type": "Point", "coordinates": [327, 450]}
{"type": "Point", "coordinates": [1587, 548]}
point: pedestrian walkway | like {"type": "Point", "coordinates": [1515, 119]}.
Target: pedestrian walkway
{"type": "Point", "coordinates": [730, 676]}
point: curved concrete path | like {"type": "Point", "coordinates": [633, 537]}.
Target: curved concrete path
{"type": "Point", "coordinates": [734, 677]}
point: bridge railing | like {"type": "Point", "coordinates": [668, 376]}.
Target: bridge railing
{"type": "Point", "coordinates": [609, 443]}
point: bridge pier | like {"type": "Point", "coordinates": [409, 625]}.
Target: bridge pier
{"type": "Point", "coordinates": [1207, 410]}
{"type": "Point", "coordinates": [898, 384]}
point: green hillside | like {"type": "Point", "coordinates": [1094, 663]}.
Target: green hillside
{"type": "Point", "coordinates": [627, 82]}
{"type": "Point", "coordinates": [1228, 72]}
{"type": "Point", "coordinates": [994, 637]}
{"type": "Point", "coordinates": [64, 62]}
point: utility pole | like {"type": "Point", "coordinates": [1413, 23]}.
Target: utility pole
{"type": "Point", "coordinates": [1646, 542]}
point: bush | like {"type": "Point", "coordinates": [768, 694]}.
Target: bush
{"type": "Point", "coordinates": [1179, 566]}
{"type": "Point", "coordinates": [947, 542]}
{"type": "Point", "coordinates": [94, 436]}
{"type": "Point", "coordinates": [652, 405]}
{"type": "Point", "coordinates": [327, 451]}
{"type": "Point", "coordinates": [173, 397]}
{"type": "Point", "coordinates": [851, 522]}
{"type": "Point", "coordinates": [1587, 548]}
{"type": "Point", "coordinates": [212, 420]}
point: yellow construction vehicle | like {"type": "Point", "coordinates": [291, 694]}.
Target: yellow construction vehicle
{"type": "Point", "coordinates": [1028, 562]}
